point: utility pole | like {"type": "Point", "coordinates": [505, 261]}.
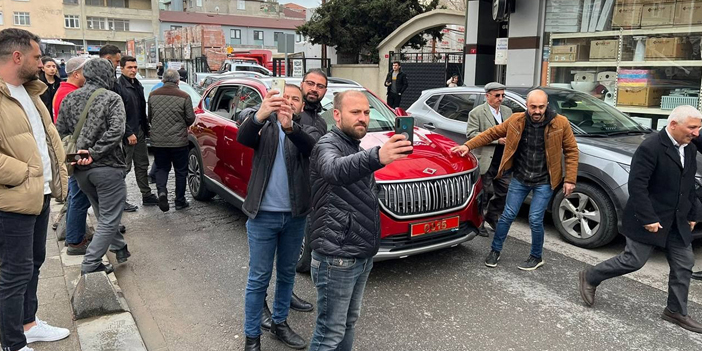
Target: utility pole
{"type": "Point", "coordinates": [324, 49]}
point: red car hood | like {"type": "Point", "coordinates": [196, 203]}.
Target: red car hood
{"type": "Point", "coordinates": [431, 157]}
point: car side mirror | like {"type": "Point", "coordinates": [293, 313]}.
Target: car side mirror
{"type": "Point", "coordinates": [400, 112]}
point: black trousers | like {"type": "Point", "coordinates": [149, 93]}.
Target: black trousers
{"type": "Point", "coordinates": [164, 157]}
{"type": "Point", "coordinates": [680, 259]}
{"type": "Point", "coordinates": [495, 192]}
{"type": "Point", "coordinates": [394, 100]}
{"type": "Point", "coordinates": [22, 252]}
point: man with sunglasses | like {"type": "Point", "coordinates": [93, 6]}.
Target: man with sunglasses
{"type": "Point", "coordinates": [480, 119]}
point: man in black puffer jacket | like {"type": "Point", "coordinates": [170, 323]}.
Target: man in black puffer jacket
{"type": "Point", "coordinates": [346, 218]}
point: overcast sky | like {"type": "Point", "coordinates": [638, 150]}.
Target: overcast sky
{"type": "Point", "coordinates": [305, 3]}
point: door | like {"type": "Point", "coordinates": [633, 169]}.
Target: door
{"type": "Point", "coordinates": [238, 158]}
{"type": "Point", "coordinates": [218, 104]}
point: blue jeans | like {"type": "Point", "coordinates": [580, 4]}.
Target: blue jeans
{"type": "Point", "coordinates": [271, 234]}
{"type": "Point", "coordinates": [340, 283]}
{"type": "Point", "coordinates": [515, 197]}
{"type": "Point", "coordinates": [77, 213]}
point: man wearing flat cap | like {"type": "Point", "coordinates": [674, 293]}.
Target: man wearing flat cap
{"type": "Point", "coordinates": [480, 119]}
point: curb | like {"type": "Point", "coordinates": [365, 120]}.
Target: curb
{"type": "Point", "coordinates": [107, 332]}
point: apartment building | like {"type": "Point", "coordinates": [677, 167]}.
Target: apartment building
{"type": "Point", "coordinates": [41, 17]}
{"type": "Point", "coordinates": [90, 24]}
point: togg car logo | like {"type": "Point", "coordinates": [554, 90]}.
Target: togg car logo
{"type": "Point", "coordinates": [429, 171]}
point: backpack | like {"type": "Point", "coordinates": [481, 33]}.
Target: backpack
{"type": "Point", "coordinates": [69, 141]}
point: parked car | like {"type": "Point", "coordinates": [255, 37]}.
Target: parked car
{"type": "Point", "coordinates": [149, 84]}
{"type": "Point", "coordinates": [607, 139]}
{"type": "Point", "coordinates": [203, 84]}
{"type": "Point", "coordinates": [235, 65]}
{"type": "Point", "coordinates": [428, 201]}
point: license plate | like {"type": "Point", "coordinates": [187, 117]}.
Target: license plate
{"type": "Point", "coordinates": [438, 225]}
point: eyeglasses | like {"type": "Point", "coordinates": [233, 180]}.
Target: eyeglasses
{"type": "Point", "coordinates": [312, 84]}
{"type": "Point", "coordinates": [498, 95]}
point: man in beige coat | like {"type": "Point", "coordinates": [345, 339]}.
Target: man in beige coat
{"type": "Point", "coordinates": [480, 119]}
{"type": "Point", "coordinates": [32, 171]}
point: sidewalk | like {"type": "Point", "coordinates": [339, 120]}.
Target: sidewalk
{"type": "Point", "coordinates": [57, 280]}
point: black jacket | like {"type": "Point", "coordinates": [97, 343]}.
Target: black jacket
{"type": "Point", "coordinates": [263, 138]}
{"type": "Point", "coordinates": [346, 217]}
{"type": "Point", "coordinates": [135, 106]}
{"type": "Point", "coordinates": [660, 190]}
{"type": "Point", "coordinates": [48, 96]}
{"type": "Point", "coordinates": [402, 83]}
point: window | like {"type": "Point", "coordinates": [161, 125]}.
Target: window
{"type": "Point", "coordinates": [2, 20]}
{"type": "Point", "coordinates": [71, 21]}
{"type": "Point", "coordinates": [199, 3]}
{"type": "Point", "coordinates": [70, 2]}
{"type": "Point", "coordinates": [97, 23]}
{"type": "Point", "coordinates": [176, 27]}
{"type": "Point", "coordinates": [431, 102]}
{"type": "Point", "coordinates": [298, 38]}
{"type": "Point", "coordinates": [117, 3]}
{"type": "Point", "coordinates": [210, 96]}
{"type": "Point", "coordinates": [456, 106]}
{"type": "Point", "coordinates": [258, 37]}
{"type": "Point", "coordinates": [277, 36]}
{"type": "Point", "coordinates": [21, 19]}
{"type": "Point", "coordinates": [118, 25]}
{"type": "Point", "coordinates": [513, 105]}
{"type": "Point", "coordinates": [224, 102]}
{"type": "Point", "coordinates": [248, 97]}
{"type": "Point", "coordinates": [235, 36]}
{"type": "Point", "coordinates": [241, 5]}
{"type": "Point", "coordinates": [95, 2]}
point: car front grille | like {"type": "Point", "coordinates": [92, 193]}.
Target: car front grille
{"type": "Point", "coordinates": [433, 196]}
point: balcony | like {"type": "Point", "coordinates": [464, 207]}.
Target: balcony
{"type": "Point", "coordinates": [123, 4]}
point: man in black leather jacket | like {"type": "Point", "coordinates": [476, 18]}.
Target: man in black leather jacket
{"type": "Point", "coordinates": [345, 225]}
{"type": "Point", "coordinates": [277, 203]}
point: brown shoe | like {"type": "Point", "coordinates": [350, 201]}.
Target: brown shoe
{"type": "Point", "coordinates": [587, 291]}
{"type": "Point", "coordinates": [684, 321]}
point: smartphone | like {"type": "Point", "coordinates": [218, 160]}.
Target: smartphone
{"type": "Point", "coordinates": [279, 85]}
{"type": "Point", "coordinates": [76, 157]}
{"type": "Point", "coordinates": [405, 126]}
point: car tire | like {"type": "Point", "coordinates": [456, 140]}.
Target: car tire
{"type": "Point", "coordinates": [196, 177]}
{"type": "Point", "coordinates": [305, 259]}
{"type": "Point", "coordinates": [586, 218]}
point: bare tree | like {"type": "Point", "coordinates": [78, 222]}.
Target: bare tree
{"type": "Point", "coordinates": [458, 5]}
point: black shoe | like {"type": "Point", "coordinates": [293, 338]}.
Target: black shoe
{"type": "Point", "coordinates": [149, 200]}
{"type": "Point", "coordinates": [129, 207]}
{"type": "Point", "coordinates": [107, 268]}
{"type": "Point", "coordinates": [298, 304]}
{"type": "Point", "coordinates": [531, 263]}
{"type": "Point", "coordinates": [163, 202]}
{"type": "Point", "coordinates": [697, 275]}
{"type": "Point", "coordinates": [492, 258]}
{"type": "Point", "coordinates": [77, 249]}
{"type": "Point", "coordinates": [181, 205]}
{"type": "Point", "coordinates": [122, 229]}
{"type": "Point", "coordinates": [253, 344]}
{"type": "Point", "coordinates": [266, 318]}
{"type": "Point", "coordinates": [484, 231]}
{"type": "Point", "coordinates": [283, 332]}
{"type": "Point", "coordinates": [122, 254]}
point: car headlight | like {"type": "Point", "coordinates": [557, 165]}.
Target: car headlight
{"type": "Point", "coordinates": [626, 167]}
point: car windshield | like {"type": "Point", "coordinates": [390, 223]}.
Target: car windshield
{"type": "Point", "coordinates": [381, 117]}
{"type": "Point", "coordinates": [590, 116]}
{"type": "Point", "coordinates": [194, 96]}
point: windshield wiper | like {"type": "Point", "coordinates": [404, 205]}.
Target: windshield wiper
{"type": "Point", "coordinates": [628, 132]}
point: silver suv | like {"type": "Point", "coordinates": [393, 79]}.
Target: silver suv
{"type": "Point", "coordinates": [607, 139]}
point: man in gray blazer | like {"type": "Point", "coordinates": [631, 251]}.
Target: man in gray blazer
{"type": "Point", "coordinates": [480, 119]}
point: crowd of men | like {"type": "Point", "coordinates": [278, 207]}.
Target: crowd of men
{"type": "Point", "coordinates": [304, 178]}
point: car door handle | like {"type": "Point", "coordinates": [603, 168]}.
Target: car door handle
{"type": "Point", "coordinates": [429, 125]}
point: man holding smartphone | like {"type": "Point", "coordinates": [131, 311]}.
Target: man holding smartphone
{"type": "Point", "coordinates": [277, 204]}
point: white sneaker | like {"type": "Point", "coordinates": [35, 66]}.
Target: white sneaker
{"type": "Point", "coordinates": [44, 332]}
{"type": "Point", "coordinates": [26, 348]}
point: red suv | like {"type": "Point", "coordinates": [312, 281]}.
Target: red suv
{"type": "Point", "coordinates": [429, 201]}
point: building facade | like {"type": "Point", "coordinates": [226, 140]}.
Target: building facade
{"type": "Point", "coordinates": [41, 17]}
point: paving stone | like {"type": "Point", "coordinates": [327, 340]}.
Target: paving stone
{"type": "Point", "coordinates": [51, 268]}
{"type": "Point", "coordinates": [51, 290]}
{"type": "Point", "coordinates": [113, 332]}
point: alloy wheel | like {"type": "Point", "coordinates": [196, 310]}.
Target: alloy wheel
{"type": "Point", "coordinates": [579, 215]}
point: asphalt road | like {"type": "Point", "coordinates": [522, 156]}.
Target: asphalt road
{"type": "Point", "coordinates": [185, 284]}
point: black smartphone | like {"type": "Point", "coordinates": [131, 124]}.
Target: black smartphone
{"type": "Point", "coordinates": [75, 157]}
{"type": "Point", "coordinates": [405, 126]}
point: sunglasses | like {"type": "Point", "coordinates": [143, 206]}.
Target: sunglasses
{"type": "Point", "coordinates": [498, 95]}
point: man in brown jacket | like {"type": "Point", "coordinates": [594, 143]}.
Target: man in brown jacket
{"type": "Point", "coordinates": [32, 171]}
{"type": "Point", "coordinates": [536, 141]}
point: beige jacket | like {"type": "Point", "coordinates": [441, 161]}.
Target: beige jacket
{"type": "Point", "coordinates": [481, 119]}
{"type": "Point", "coordinates": [21, 170]}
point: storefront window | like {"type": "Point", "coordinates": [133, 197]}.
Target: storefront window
{"type": "Point", "coordinates": [641, 56]}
